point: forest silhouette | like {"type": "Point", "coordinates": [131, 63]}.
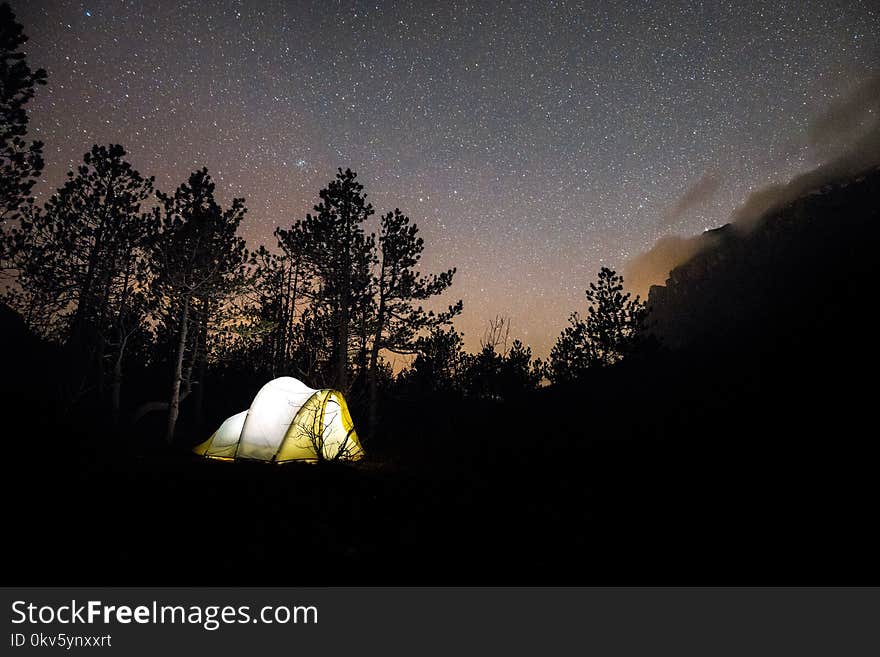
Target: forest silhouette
{"type": "Point", "coordinates": [717, 431]}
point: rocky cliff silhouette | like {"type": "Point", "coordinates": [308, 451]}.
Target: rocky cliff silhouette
{"type": "Point", "coordinates": [801, 279]}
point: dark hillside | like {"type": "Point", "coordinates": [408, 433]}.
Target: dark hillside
{"type": "Point", "coordinates": [805, 272]}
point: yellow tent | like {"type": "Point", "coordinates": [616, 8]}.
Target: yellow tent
{"type": "Point", "coordinates": [287, 421]}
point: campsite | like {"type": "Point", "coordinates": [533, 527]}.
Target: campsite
{"type": "Point", "coordinates": [724, 459]}
{"type": "Point", "coordinates": [295, 361]}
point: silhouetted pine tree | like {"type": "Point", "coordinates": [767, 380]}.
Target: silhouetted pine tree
{"type": "Point", "coordinates": [269, 315]}
{"type": "Point", "coordinates": [312, 348]}
{"type": "Point", "coordinates": [339, 254]}
{"type": "Point", "coordinates": [399, 287]}
{"type": "Point", "coordinates": [20, 162]}
{"type": "Point", "coordinates": [519, 373]}
{"type": "Point", "coordinates": [82, 264]}
{"type": "Point", "coordinates": [498, 372]}
{"type": "Point", "coordinates": [438, 365]}
{"type": "Point", "coordinates": [201, 263]}
{"type": "Point", "coordinates": [611, 330]}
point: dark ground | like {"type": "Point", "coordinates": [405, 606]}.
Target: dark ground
{"type": "Point", "coordinates": [703, 485]}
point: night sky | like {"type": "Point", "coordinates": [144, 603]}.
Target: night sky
{"type": "Point", "coordinates": [531, 142]}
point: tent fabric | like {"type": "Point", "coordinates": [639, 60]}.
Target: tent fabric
{"type": "Point", "coordinates": [287, 421]}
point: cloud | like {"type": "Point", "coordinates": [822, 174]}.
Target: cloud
{"type": "Point", "coordinates": [698, 194]}
{"type": "Point", "coordinates": [653, 266]}
{"type": "Point", "coordinates": [848, 121]}
{"type": "Point", "coordinates": [846, 140]}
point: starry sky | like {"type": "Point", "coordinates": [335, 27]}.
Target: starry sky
{"type": "Point", "coordinates": [532, 142]}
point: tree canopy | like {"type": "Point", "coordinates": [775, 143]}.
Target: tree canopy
{"type": "Point", "coordinates": [610, 331]}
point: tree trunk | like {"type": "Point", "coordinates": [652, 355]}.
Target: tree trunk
{"type": "Point", "coordinates": [341, 374]}
{"type": "Point", "coordinates": [372, 378]}
{"type": "Point", "coordinates": [174, 402]}
{"type": "Point", "coordinates": [202, 365]}
{"type": "Point", "coordinates": [291, 312]}
{"type": "Point", "coordinates": [373, 389]}
{"type": "Point", "coordinates": [77, 323]}
{"type": "Point", "coordinates": [342, 329]}
{"type": "Point", "coordinates": [116, 384]}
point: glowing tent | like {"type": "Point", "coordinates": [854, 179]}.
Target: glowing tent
{"type": "Point", "coordinates": [287, 421]}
